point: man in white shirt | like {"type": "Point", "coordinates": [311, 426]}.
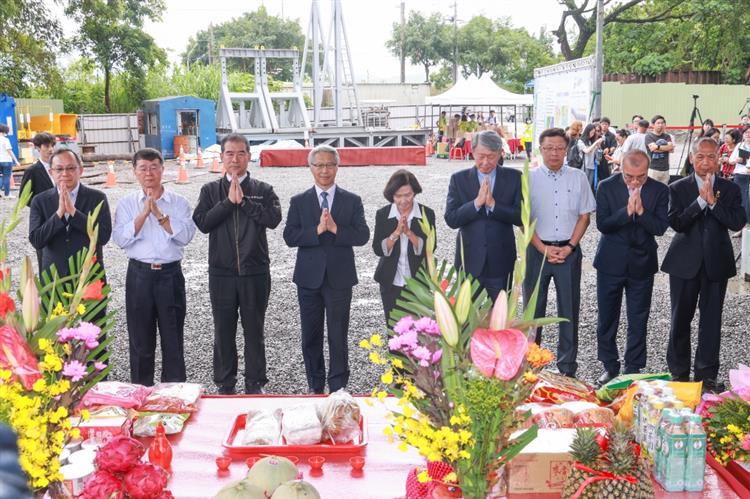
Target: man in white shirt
{"type": "Point", "coordinates": [153, 226]}
{"type": "Point", "coordinates": [637, 140]}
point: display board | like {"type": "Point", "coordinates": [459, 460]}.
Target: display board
{"type": "Point", "coordinates": [562, 94]}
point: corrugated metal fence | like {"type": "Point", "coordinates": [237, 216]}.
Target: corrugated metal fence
{"type": "Point", "coordinates": [109, 133]}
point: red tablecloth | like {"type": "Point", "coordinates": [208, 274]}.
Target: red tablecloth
{"type": "Point", "coordinates": [195, 449]}
{"type": "Point", "coordinates": [350, 156]}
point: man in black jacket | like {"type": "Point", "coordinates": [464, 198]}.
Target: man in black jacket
{"type": "Point", "coordinates": [38, 173]}
{"type": "Point", "coordinates": [235, 211]}
{"type": "Point", "coordinates": [700, 260]}
{"type": "Point", "coordinates": [325, 222]}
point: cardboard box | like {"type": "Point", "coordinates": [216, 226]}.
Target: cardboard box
{"type": "Point", "coordinates": [542, 467]}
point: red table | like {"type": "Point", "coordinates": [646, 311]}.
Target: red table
{"type": "Point", "coordinates": [195, 474]}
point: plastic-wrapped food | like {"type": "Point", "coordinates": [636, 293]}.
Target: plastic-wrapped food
{"type": "Point", "coordinates": [173, 397]}
{"type": "Point", "coordinates": [552, 418]}
{"type": "Point", "coordinates": [300, 425]}
{"type": "Point", "coordinates": [146, 423]}
{"type": "Point", "coordinates": [262, 427]}
{"type": "Point", "coordinates": [596, 416]}
{"type": "Point", "coordinates": [125, 395]}
{"type": "Point", "coordinates": [340, 415]}
{"type": "Point", "coordinates": [615, 387]}
{"type": "Point", "coordinates": [555, 389]}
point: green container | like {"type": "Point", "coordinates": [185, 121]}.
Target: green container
{"type": "Point", "coordinates": [695, 460]}
{"type": "Point", "coordinates": [674, 447]}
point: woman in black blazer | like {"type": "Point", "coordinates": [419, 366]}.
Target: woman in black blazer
{"type": "Point", "coordinates": [399, 240]}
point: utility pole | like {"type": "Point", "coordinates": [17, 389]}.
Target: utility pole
{"type": "Point", "coordinates": [403, 41]}
{"type": "Point", "coordinates": [210, 44]}
{"type": "Point", "coordinates": [599, 61]}
{"type": "Point", "coordinates": [455, 41]}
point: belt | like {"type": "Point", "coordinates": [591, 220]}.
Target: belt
{"type": "Point", "coordinates": [154, 266]}
{"type": "Point", "coordinates": [559, 244]}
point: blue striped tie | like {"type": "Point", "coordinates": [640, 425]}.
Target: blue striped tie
{"type": "Point", "coordinates": [324, 204]}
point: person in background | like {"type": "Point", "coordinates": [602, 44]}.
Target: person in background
{"type": "Point", "coordinates": [715, 134]}
{"type": "Point", "coordinates": [235, 211]}
{"type": "Point", "coordinates": [7, 160]}
{"type": "Point", "coordinates": [744, 120]}
{"type": "Point", "coordinates": [660, 145]}
{"type": "Point", "coordinates": [631, 210]}
{"type": "Point", "coordinates": [325, 222]}
{"type": "Point", "coordinates": [574, 153]}
{"type": "Point", "coordinates": [706, 127]}
{"type": "Point", "coordinates": [741, 175]}
{"type": "Point", "coordinates": [637, 140]}
{"type": "Point", "coordinates": [484, 203]}
{"type": "Point", "coordinates": [561, 204]}
{"type": "Point", "coordinates": [527, 138]}
{"type": "Point", "coordinates": [700, 261]}
{"type": "Point", "coordinates": [616, 157]}
{"type": "Point", "coordinates": [153, 226]}
{"type": "Point", "coordinates": [399, 239]}
{"type": "Point", "coordinates": [609, 144]}
{"type": "Point", "coordinates": [12, 478]}
{"type": "Point", "coordinates": [38, 173]}
{"type": "Point", "coordinates": [591, 150]}
{"type": "Point", "coordinates": [731, 139]}
{"type": "Point", "coordinates": [441, 124]}
{"type": "Point", "coordinates": [634, 122]}
{"type": "Point", "coordinates": [451, 130]}
{"type": "Point", "coordinates": [480, 120]}
{"type": "Point", "coordinates": [492, 118]}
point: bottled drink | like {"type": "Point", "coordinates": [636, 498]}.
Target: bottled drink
{"type": "Point", "coordinates": [160, 451]}
{"type": "Point", "coordinates": [673, 452]}
{"type": "Point", "coordinates": [695, 460]}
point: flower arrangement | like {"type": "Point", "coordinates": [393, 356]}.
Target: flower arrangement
{"type": "Point", "coordinates": [727, 425]}
{"type": "Point", "coordinates": [459, 366]}
{"type": "Point", "coordinates": [50, 352]}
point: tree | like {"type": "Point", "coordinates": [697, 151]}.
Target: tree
{"type": "Point", "coordinates": [250, 30]}
{"type": "Point", "coordinates": [111, 33]}
{"type": "Point", "coordinates": [29, 41]}
{"type": "Point", "coordinates": [425, 40]}
{"type": "Point", "coordinates": [527, 53]}
{"type": "Point", "coordinates": [573, 40]}
{"type": "Point", "coordinates": [481, 46]}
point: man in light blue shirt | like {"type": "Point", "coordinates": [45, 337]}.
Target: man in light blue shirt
{"type": "Point", "coordinates": [153, 226]}
{"type": "Point", "coordinates": [561, 204]}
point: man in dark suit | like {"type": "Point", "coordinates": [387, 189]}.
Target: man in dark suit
{"type": "Point", "coordinates": [700, 260]}
{"type": "Point", "coordinates": [324, 223]}
{"type": "Point", "coordinates": [484, 203]}
{"type": "Point", "coordinates": [57, 224]}
{"type": "Point", "coordinates": [631, 209]}
{"type": "Point", "coordinates": [38, 173]}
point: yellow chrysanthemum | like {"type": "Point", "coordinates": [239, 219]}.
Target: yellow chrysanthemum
{"type": "Point", "coordinates": [376, 340]}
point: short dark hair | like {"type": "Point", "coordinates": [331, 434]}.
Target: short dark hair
{"type": "Point", "coordinates": [636, 116]}
{"type": "Point", "coordinates": [4, 128]}
{"type": "Point", "coordinates": [553, 132]}
{"type": "Point", "coordinates": [622, 132]}
{"type": "Point", "coordinates": [43, 138]}
{"type": "Point", "coordinates": [708, 121]}
{"type": "Point", "coordinates": [235, 137]}
{"type": "Point", "coordinates": [399, 179]}
{"type": "Point", "coordinates": [658, 117]}
{"type": "Point", "coordinates": [64, 150]}
{"type": "Point", "coordinates": [735, 134]}
{"type": "Point", "coordinates": [712, 131]}
{"type": "Point", "coordinates": [148, 154]}
{"type": "Point", "coordinates": [643, 124]}
{"type": "Point", "coordinates": [605, 120]}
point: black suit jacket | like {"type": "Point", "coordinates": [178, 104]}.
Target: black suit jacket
{"type": "Point", "coordinates": [628, 246]}
{"type": "Point", "coordinates": [702, 237]}
{"type": "Point", "coordinates": [325, 257]}
{"type": "Point", "coordinates": [37, 175]}
{"type": "Point", "coordinates": [60, 239]}
{"type": "Point", "coordinates": [485, 236]}
{"type": "Point", "coordinates": [384, 227]}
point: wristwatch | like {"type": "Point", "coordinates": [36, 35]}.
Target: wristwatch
{"type": "Point", "coordinates": [393, 238]}
{"type": "Point", "coordinates": [163, 218]}
{"type": "Point", "coordinates": [572, 247]}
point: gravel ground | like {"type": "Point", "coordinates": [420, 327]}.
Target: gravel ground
{"type": "Point", "coordinates": [283, 351]}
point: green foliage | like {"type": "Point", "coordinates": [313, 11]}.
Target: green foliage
{"type": "Point", "coordinates": [250, 30]}
{"type": "Point", "coordinates": [426, 40]}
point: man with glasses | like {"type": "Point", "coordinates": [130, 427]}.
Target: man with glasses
{"type": "Point", "coordinates": [561, 204]}
{"type": "Point", "coordinates": [324, 223]}
{"type": "Point", "coordinates": [153, 226]}
{"type": "Point", "coordinates": [631, 209]}
{"type": "Point", "coordinates": [703, 207]}
{"type": "Point", "coordinates": [58, 217]}
{"type": "Point", "coordinates": [235, 212]}
{"type": "Point", "coordinates": [484, 203]}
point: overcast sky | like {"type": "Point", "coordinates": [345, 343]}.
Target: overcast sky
{"type": "Point", "coordinates": [368, 24]}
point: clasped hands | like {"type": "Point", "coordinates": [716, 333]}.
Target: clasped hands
{"type": "Point", "coordinates": [402, 228]}
{"type": "Point", "coordinates": [65, 205]}
{"type": "Point", "coordinates": [327, 223]}
{"type": "Point", "coordinates": [150, 206]}
{"type": "Point", "coordinates": [484, 197]}
{"type": "Point", "coordinates": [707, 190]}
{"type": "Point", "coordinates": [557, 254]}
{"type": "Point", "coordinates": [635, 203]}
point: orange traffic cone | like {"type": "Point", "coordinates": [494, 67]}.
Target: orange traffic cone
{"type": "Point", "coordinates": [182, 156]}
{"type": "Point", "coordinates": [200, 163]}
{"type": "Point", "coordinates": [182, 177]}
{"type": "Point", "coordinates": [428, 149]}
{"type": "Point", "coordinates": [111, 177]}
{"type": "Point", "coordinates": [215, 166]}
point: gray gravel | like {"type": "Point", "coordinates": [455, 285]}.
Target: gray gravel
{"type": "Point", "coordinates": [283, 351]}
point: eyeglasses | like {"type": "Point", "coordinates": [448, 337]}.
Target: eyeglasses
{"type": "Point", "coordinates": [238, 155]}
{"type": "Point", "coordinates": [152, 168]}
{"type": "Point", "coordinates": [554, 149]}
{"type": "Point", "coordinates": [328, 166]}
{"type": "Point", "coordinates": [67, 169]}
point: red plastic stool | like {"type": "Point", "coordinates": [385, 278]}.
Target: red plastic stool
{"type": "Point", "coordinates": [456, 153]}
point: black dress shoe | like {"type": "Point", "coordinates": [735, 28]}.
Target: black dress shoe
{"type": "Point", "coordinates": [681, 379]}
{"type": "Point", "coordinates": [227, 390]}
{"type": "Point", "coordinates": [316, 391]}
{"type": "Point", "coordinates": [255, 389]}
{"type": "Point", "coordinates": [606, 377]}
{"type": "Point", "coordinates": [712, 386]}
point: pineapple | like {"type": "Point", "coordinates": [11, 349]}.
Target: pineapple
{"type": "Point", "coordinates": [645, 484]}
{"type": "Point", "coordinates": [621, 461]}
{"type": "Point", "coordinates": [585, 450]}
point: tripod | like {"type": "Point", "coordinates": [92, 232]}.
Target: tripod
{"type": "Point", "coordinates": [742, 109]}
{"type": "Point", "coordinates": [687, 167]}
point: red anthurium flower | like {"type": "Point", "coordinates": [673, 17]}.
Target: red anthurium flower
{"type": "Point", "coordinates": [444, 285]}
{"type": "Point", "coordinates": [498, 353]}
{"type": "Point", "coordinates": [94, 291]}
{"type": "Point", "coordinates": [16, 355]}
{"type": "Point", "coordinates": [6, 304]}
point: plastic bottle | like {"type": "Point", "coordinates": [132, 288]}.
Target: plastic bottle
{"type": "Point", "coordinates": [673, 451]}
{"type": "Point", "coordinates": [660, 432]}
{"type": "Point", "coordinates": [160, 450]}
{"type": "Point", "coordinates": [695, 460]}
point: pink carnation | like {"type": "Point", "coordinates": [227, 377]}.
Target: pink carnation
{"type": "Point", "coordinates": [428, 326]}
{"type": "Point", "coordinates": [74, 370]}
{"type": "Point", "coordinates": [86, 332]}
{"type": "Point", "coordinates": [404, 324]}
{"type": "Point", "coordinates": [99, 366]}
{"type": "Point", "coordinates": [746, 443]}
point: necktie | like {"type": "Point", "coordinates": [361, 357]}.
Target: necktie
{"type": "Point", "coordinates": [324, 203]}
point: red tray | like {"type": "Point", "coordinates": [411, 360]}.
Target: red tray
{"type": "Point", "coordinates": [239, 424]}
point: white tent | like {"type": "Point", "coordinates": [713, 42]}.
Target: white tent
{"type": "Point", "coordinates": [479, 91]}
